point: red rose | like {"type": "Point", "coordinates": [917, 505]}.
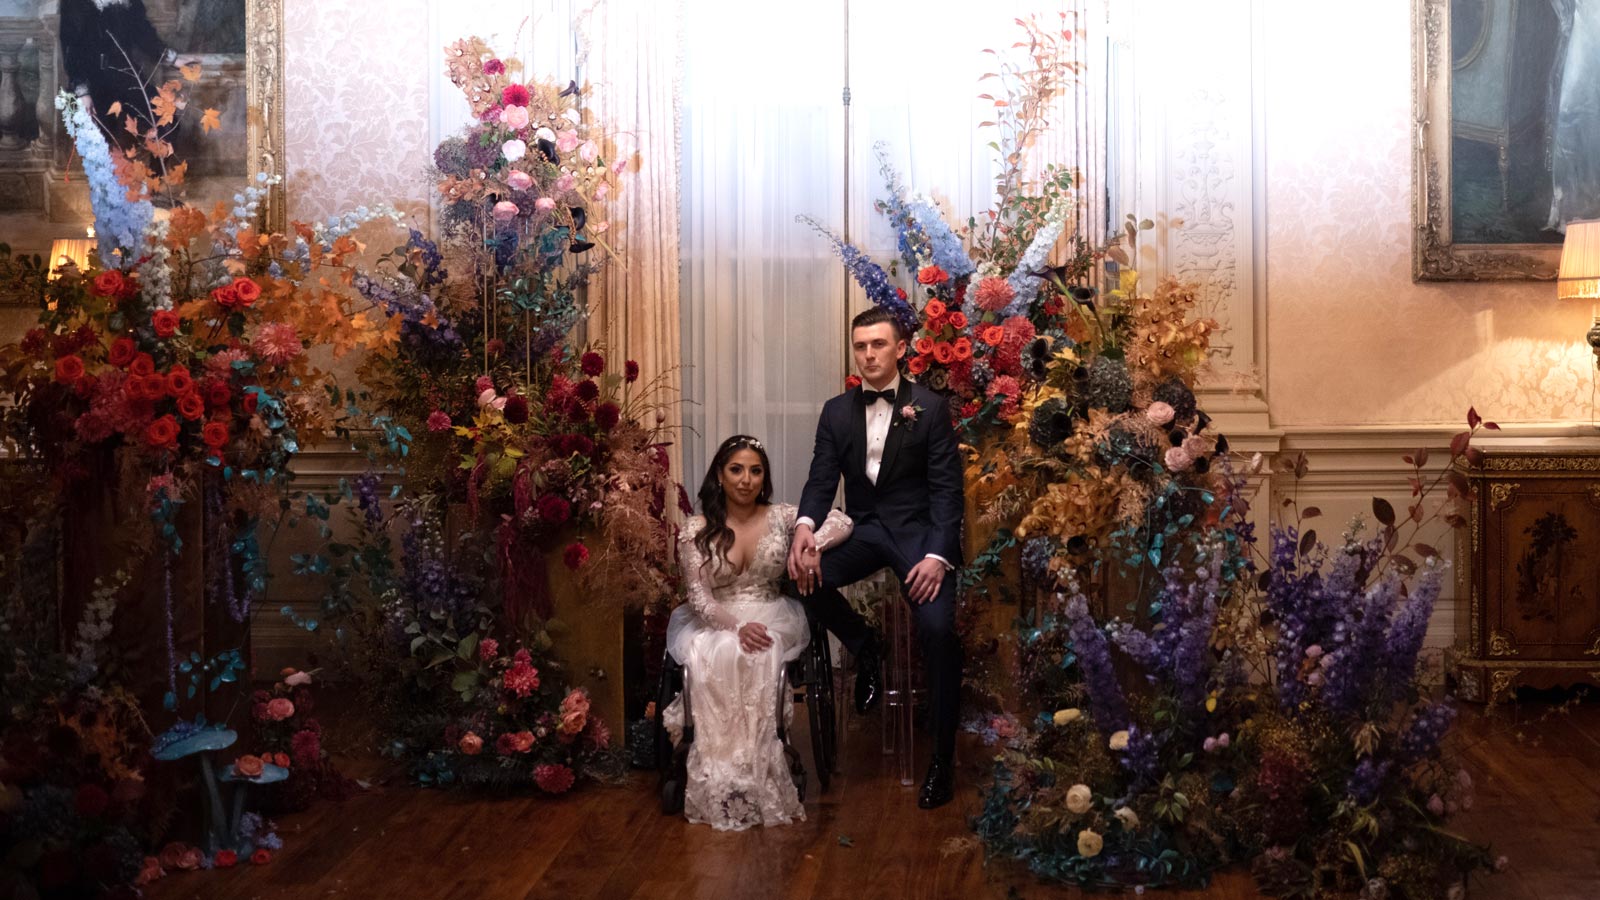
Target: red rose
{"type": "Point", "coordinates": [190, 406]}
{"type": "Point", "coordinates": [944, 353]}
{"type": "Point", "coordinates": [91, 800]}
{"type": "Point", "coordinates": [148, 387]}
{"type": "Point", "coordinates": [225, 859]}
{"type": "Point", "coordinates": [631, 371]}
{"type": "Point", "coordinates": [165, 322]}
{"type": "Point", "coordinates": [851, 382]}
{"type": "Point", "coordinates": [162, 433]}
{"type": "Point", "coordinates": [576, 555]}
{"type": "Point", "coordinates": [516, 409]}
{"type": "Point", "coordinates": [932, 275]}
{"type": "Point", "coordinates": [261, 857]}
{"type": "Point", "coordinates": [958, 320]}
{"type": "Point", "coordinates": [122, 351]}
{"type": "Point", "coordinates": [924, 344]}
{"type": "Point", "coordinates": [109, 283]}
{"type": "Point", "coordinates": [179, 382]}
{"type": "Point", "coordinates": [247, 291]}
{"type": "Point", "coordinates": [963, 348]}
{"type": "Point", "coordinates": [607, 415]}
{"type": "Point", "coordinates": [217, 393]}
{"type": "Point", "coordinates": [251, 398]}
{"type": "Point", "coordinates": [918, 365]}
{"type": "Point", "coordinates": [514, 95]}
{"type": "Point", "coordinates": [69, 369]}
{"type": "Point", "coordinates": [215, 435]}
{"type": "Point", "coordinates": [225, 296]}
{"type": "Point", "coordinates": [142, 365]}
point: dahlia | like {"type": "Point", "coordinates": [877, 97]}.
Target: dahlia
{"type": "Point", "coordinates": [993, 294]}
{"type": "Point", "coordinates": [553, 779]}
{"type": "Point", "coordinates": [522, 678]}
{"type": "Point", "coordinates": [278, 343]}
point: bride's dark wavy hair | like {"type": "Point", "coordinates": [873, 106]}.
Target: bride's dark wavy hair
{"type": "Point", "coordinates": [714, 503]}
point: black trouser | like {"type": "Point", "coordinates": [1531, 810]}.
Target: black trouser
{"type": "Point", "coordinates": [869, 549]}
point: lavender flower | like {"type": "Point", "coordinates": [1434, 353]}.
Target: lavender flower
{"type": "Point", "coordinates": [1366, 779]}
{"type": "Point", "coordinates": [1106, 702]}
{"type": "Point", "coordinates": [1427, 730]}
{"type": "Point", "coordinates": [366, 490]}
{"type": "Point", "coordinates": [1407, 632]}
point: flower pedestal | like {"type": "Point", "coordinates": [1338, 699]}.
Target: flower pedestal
{"type": "Point", "coordinates": [587, 631]}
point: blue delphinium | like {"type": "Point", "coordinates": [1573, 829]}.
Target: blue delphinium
{"type": "Point", "coordinates": [945, 249]}
{"type": "Point", "coordinates": [1026, 278]}
{"type": "Point", "coordinates": [118, 222]}
{"type": "Point", "coordinates": [872, 278]}
{"type": "Point", "coordinates": [909, 237]}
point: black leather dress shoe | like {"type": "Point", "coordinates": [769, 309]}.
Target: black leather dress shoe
{"type": "Point", "coordinates": [940, 785]}
{"type": "Point", "coordinates": [869, 678]}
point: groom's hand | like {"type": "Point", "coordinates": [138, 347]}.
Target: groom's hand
{"type": "Point", "coordinates": [804, 560]}
{"type": "Point", "coordinates": [922, 584]}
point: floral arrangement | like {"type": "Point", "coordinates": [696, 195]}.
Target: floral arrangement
{"type": "Point", "coordinates": [1275, 716]}
{"type": "Point", "coordinates": [290, 737]}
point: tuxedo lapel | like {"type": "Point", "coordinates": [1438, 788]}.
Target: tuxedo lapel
{"type": "Point", "coordinates": [858, 435]}
{"type": "Point", "coordinates": [897, 432]}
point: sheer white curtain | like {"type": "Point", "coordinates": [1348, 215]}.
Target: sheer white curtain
{"type": "Point", "coordinates": [765, 303]}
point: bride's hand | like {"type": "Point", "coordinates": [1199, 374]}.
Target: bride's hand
{"type": "Point", "coordinates": [753, 637]}
{"type": "Point", "coordinates": [803, 560]}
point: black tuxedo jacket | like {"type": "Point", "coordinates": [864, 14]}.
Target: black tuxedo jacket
{"type": "Point", "coordinates": [918, 497]}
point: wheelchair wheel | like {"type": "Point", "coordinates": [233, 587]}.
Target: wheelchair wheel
{"type": "Point", "coordinates": [674, 782]}
{"type": "Point", "coordinates": [797, 771]}
{"type": "Point", "coordinates": [671, 683]}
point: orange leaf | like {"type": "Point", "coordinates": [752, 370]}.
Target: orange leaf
{"type": "Point", "coordinates": [176, 173]}
{"type": "Point", "coordinates": [114, 109]}
{"type": "Point", "coordinates": [158, 148]}
{"type": "Point", "coordinates": [211, 121]}
{"type": "Point", "coordinates": [131, 126]}
{"type": "Point", "coordinates": [165, 106]}
{"type": "Point", "coordinates": [191, 72]}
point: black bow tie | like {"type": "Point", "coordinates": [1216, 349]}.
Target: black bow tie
{"type": "Point", "coordinates": [869, 397]}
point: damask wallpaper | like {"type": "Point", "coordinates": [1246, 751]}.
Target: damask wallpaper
{"type": "Point", "coordinates": [1350, 339]}
{"type": "Point", "coordinates": [356, 105]}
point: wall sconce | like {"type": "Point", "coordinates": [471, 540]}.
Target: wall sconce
{"type": "Point", "coordinates": [71, 250]}
{"type": "Point", "coordinates": [1579, 275]}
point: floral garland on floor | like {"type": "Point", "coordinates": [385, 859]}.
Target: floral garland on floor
{"type": "Point", "coordinates": [1196, 708]}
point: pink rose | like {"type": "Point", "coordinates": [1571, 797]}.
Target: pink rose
{"type": "Point", "coordinates": [908, 413]}
{"type": "Point", "coordinates": [544, 204]}
{"type": "Point", "coordinates": [1178, 459]}
{"type": "Point", "coordinates": [471, 744]}
{"type": "Point", "coordinates": [505, 211]}
{"type": "Point", "coordinates": [567, 141]}
{"type": "Point", "coordinates": [589, 152]}
{"type": "Point", "coordinates": [514, 117]}
{"type": "Point", "coordinates": [1160, 413]}
{"type": "Point", "coordinates": [565, 182]}
{"type": "Point", "coordinates": [1436, 805]}
{"type": "Point", "coordinates": [1196, 446]}
{"type": "Point", "coordinates": [513, 150]}
{"type": "Point", "coordinates": [519, 180]}
{"type": "Point", "coordinates": [572, 722]}
{"type": "Point", "coordinates": [279, 708]}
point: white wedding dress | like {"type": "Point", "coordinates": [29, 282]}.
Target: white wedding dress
{"type": "Point", "coordinates": [738, 776]}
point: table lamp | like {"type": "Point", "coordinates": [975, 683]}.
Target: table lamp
{"type": "Point", "coordinates": [1579, 275]}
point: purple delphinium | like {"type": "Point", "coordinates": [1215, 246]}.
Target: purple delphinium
{"type": "Point", "coordinates": [1407, 632]}
{"type": "Point", "coordinates": [872, 278]}
{"type": "Point", "coordinates": [366, 490]}
{"type": "Point", "coordinates": [1366, 779]}
{"type": "Point", "coordinates": [1351, 667]}
{"type": "Point", "coordinates": [1106, 703]}
{"type": "Point", "coordinates": [1141, 759]}
{"type": "Point", "coordinates": [1426, 730]}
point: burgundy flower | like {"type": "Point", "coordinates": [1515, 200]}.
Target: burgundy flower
{"type": "Point", "coordinates": [554, 779]}
{"type": "Point", "coordinates": [91, 800]}
{"type": "Point", "coordinates": [576, 555]}
{"type": "Point", "coordinates": [553, 509]}
{"type": "Point", "coordinates": [593, 363]}
{"type": "Point", "coordinates": [607, 416]}
{"type": "Point", "coordinates": [631, 371]}
{"type": "Point", "coordinates": [516, 409]}
{"type": "Point", "coordinates": [493, 67]}
{"type": "Point", "coordinates": [306, 746]}
{"type": "Point", "coordinates": [588, 391]}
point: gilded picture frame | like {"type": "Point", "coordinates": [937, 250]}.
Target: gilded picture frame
{"type": "Point", "coordinates": [1506, 56]}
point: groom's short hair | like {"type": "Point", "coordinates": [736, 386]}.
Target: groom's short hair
{"type": "Point", "coordinates": [873, 316]}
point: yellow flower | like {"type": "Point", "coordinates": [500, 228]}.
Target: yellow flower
{"type": "Point", "coordinates": [1079, 799]}
{"type": "Point", "coordinates": [1211, 703]}
{"type": "Point", "coordinates": [1119, 741]}
{"type": "Point", "coordinates": [1128, 818]}
{"type": "Point", "coordinates": [1066, 716]}
{"type": "Point", "coordinates": [1090, 843]}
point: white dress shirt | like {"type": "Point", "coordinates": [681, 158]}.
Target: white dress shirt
{"type": "Point", "coordinates": [880, 415]}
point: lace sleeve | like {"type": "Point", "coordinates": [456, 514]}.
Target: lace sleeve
{"type": "Point", "coordinates": [694, 574]}
{"type": "Point", "coordinates": [835, 529]}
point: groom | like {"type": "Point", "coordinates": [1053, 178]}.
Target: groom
{"type": "Point", "coordinates": [893, 443]}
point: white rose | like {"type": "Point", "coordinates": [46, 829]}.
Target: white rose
{"type": "Point", "coordinates": [1066, 716]}
{"type": "Point", "coordinates": [514, 149]}
{"type": "Point", "coordinates": [1079, 799]}
{"type": "Point", "coordinates": [1128, 818]}
{"type": "Point", "coordinates": [1119, 741]}
{"type": "Point", "coordinates": [1090, 843]}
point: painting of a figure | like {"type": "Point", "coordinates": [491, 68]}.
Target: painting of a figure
{"type": "Point", "coordinates": [93, 48]}
{"type": "Point", "coordinates": [1524, 118]}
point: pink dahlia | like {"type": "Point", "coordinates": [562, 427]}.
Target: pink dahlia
{"type": "Point", "coordinates": [278, 343]}
{"type": "Point", "coordinates": [993, 294]}
{"type": "Point", "coordinates": [553, 779]}
{"type": "Point", "coordinates": [522, 678]}
{"type": "Point", "coordinates": [438, 420]}
{"type": "Point", "coordinates": [1006, 385]}
{"type": "Point", "coordinates": [514, 95]}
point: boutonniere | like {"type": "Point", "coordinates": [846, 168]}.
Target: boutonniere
{"type": "Point", "coordinates": [909, 413]}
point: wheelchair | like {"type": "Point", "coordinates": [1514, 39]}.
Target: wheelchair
{"type": "Point", "coordinates": [808, 678]}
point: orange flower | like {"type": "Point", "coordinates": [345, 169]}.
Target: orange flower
{"type": "Point", "coordinates": [944, 353]}
{"type": "Point", "coordinates": [963, 348]}
{"type": "Point", "coordinates": [993, 335]}
{"type": "Point", "coordinates": [932, 275]}
{"type": "Point", "coordinates": [958, 320]}
{"type": "Point", "coordinates": [935, 309]}
{"type": "Point", "coordinates": [918, 365]}
{"type": "Point", "coordinates": [249, 766]}
{"type": "Point", "coordinates": [925, 344]}
{"type": "Point", "coordinates": [246, 290]}
{"type": "Point", "coordinates": [280, 760]}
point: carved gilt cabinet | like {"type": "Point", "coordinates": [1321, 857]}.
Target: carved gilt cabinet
{"type": "Point", "coordinates": [1532, 577]}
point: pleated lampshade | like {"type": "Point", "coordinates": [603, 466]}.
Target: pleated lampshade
{"type": "Point", "coordinates": [1579, 275]}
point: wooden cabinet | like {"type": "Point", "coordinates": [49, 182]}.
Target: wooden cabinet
{"type": "Point", "coordinates": [1533, 574]}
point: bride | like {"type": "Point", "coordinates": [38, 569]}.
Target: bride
{"type": "Point", "coordinates": [733, 638]}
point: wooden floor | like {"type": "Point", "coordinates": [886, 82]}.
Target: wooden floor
{"type": "Point", "coordinates": [1538, 777]}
